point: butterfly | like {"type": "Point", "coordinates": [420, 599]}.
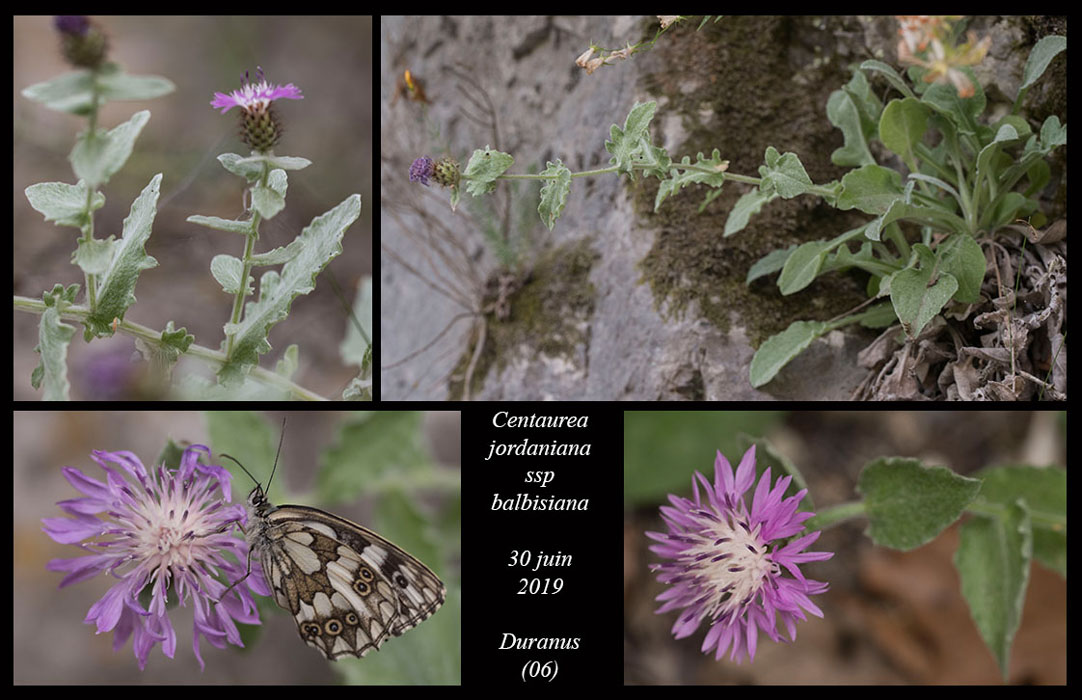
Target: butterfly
{"type": "Point", "coordinates": [347, 588]}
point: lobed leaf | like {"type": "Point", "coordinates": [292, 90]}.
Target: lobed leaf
{"type": "Point", "coordinates": [783, 174]}
{"type": "Point", "coordinates": [322, 242]}
{"type": "Point", "coordinates": [626, 143]}
{"type": "Point", "coordinates": [682, 177]}
{"type": "Point", "coordinates": [54, 336]}
{"type": "Point", "coordinates": [554, 192]}
{"type": "Point", "coordinates": [116, 286]}
{"type": "Point", "coordinates": [843, 113]}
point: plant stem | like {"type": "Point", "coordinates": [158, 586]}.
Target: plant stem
{"type": "Point", "coordinates": [214, 358]}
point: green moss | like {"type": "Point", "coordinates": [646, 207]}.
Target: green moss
{"type": "Point", "coordinates": [549, 316]}
{"type": "Point", "coordinates": [739, 106]}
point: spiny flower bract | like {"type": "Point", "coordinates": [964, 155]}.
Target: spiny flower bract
{"type": "Point", "coordinates": [725, 562]}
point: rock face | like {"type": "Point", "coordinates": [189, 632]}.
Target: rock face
{"type": "Point", "coordinates": [617, 302]}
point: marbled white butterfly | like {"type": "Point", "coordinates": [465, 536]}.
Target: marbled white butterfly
{"type": "Point", "coordinates": [347, 588]}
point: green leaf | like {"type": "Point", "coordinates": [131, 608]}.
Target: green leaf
{"type": "Point", "coordinates": [230, 225]}
{"type": "Point", "coordinates": [554, 192]}
{"type": "Point", "coordinates": [769, 264]}
{"type": "Point", "coordinates": [962, 257]}
{"type": "Point", "coordinates": [879, 316]}
{"type": "Point", "coordinates": [270, 199]}
{"type": "Point", "coordinates": [179, 339]}
{"type": "Point", "coordinates": [902, 126]}
{"type": "Point", "coordinates": [70, 92]}
{"type": "Point", "coordinates": [916, 298]}
{"type": "Point", "coordinates": [75, 92]}
{"type": "Point", "coordinates": [871, 189]}
{"type": "Point", "coordinates": [250, 168]}
{"type": "Point", "coordinates": [227, 270]}
{"type": "Point", "coordinates": [843, 113]}
{"type": "Point", "coordinates": [1053, 133]}
{"type": "Point", "coordinates": [96, 158]}
{"type": "Point", "coordinates": [1045, 492]}
{"type": "Point", "coordinates": [681, 178]}
{"type": "Point", "coordinates": [890, 74]}
{"type": "Point", "coordinates": [1042, 54]}
{"type": "Point", "coordinates": [93, 256]}
{"type": "Point", "coordinates": [993, 561]}
{"type": "Point", "coordinates": [802, 266]}
{"type": "Point", "coordinates": [116, 286]}
{"type": "Point", "coordinates": [322, 243]}
{"type": "Point", "coordinates": [121, 86]}
{"type": "Point", "coordinates": [962, 111]}
{"type": "Point", "coordinates": [628, 142]}
{"type": "Point", "coordinates": [908, 504]}
{"type": "Point", "coordinates": [279, 255]}
{"type": "Point", "coordinates": [484, 167]}
{"type": "Point", "coordinates": [926, 216]}
{"type": "Point", "coordinates": [750, 203]}
{"type": "Point", "coordinates": [54, 336]}
{"type": "Point", "coordinates": [783, 174]}
{"type": "Point", "coordinates": [986, 159]}
{"type": "Point", "coordinates": [65, 204]}
{"type": "Point", "coordinates": [779, 349]}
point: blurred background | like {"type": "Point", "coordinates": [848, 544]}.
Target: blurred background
{"type": "Point", "coordinates": [52, 643]}
{"type": "Point", "coordinates": [328, 58]}
{"type": "Point", "coordinates": [890, 617]}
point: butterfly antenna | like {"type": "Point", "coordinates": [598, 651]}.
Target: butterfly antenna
{"type": "Point", "coordinates": [280, 440]}
{"type": "Point", "coordinates": [241, 466]}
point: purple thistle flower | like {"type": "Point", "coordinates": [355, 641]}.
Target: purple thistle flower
{"type": "Point", "coordinates": [259, 125]}
{"type": "Point", "coordinates": [254, 96]}
{"type": "Point", "coordinates": [726, 562]}
{"type": "Point", "coordinates": [166, 532]}
{"type": "Point", "coordinates": [422, 169]}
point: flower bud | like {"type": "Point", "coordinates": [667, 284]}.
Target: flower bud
{"type": "Point", "coordinates": [443, 172]}
{"type": "Point", "coordinates": [82, 42]}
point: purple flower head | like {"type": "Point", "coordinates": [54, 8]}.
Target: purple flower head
{"type": "Point", "coordinates": [725, 563]}
{"type": "Point", "coordinates": [255, 96]}
{"type": "Point", "coordinates": [422, 169]}
{"type": "Point", "coordinates": [164, 531]}
{"type": "Point", "coordinates": [71, 24]}
{"type": "Point", "coordinates": [259, 127]}
{"type": "Point", "coordinates": [444, 172]}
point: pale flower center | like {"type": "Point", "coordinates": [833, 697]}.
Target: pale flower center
{"type": "Point", "coordinates": [729, 561]}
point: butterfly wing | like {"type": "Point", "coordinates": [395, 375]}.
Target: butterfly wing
{"type": "Point", "coordinates": [348, 588]}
